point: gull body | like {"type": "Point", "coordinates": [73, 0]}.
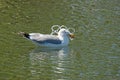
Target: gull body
{"type": "Point", "coordinates": [47, 40]}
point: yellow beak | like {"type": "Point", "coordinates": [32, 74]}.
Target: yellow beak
{"type": "Point", "coordinates": [72, 35]}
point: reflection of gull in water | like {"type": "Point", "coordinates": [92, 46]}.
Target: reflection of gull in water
{"type": "Point", "coordinates": [42, 58]}
{"type": "Point", "coordinates": [60, 40]}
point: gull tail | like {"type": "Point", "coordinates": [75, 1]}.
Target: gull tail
{"type": "Point", "coordinates": [26, 35]}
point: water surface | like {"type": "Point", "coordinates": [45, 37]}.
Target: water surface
{"type": "Point", "coordinates": [92, 55]}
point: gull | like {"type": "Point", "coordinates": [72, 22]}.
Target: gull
{"type": "Point", "coordinates": [47, 40]}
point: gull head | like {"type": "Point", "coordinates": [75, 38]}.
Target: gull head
{"type": "Point", "coordinates": [65, 33]}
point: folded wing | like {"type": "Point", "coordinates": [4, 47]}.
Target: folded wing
{"type": "Point", "coordinates": [43, 39]}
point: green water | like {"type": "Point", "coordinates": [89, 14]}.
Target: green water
{"type": "Point", "coordinates": [94, 54]}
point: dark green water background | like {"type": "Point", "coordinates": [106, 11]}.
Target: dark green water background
{"type": "Point", "coordinates": [93, 55]}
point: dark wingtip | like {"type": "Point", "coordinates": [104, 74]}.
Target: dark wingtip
{"type": "Point", "coordinates": [26, 35]}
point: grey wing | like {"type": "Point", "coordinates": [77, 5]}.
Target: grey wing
{"type": "Point", "coordinates": [52, 41]}
{"type": "Point", "coordinates": [42, 39]}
